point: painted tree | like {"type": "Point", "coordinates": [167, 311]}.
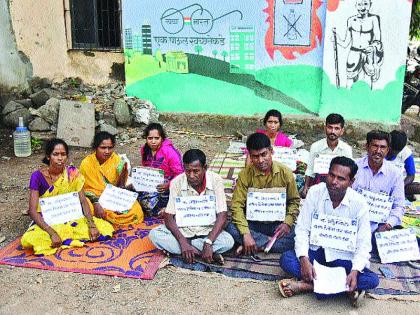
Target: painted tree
{"type": "Point", "coordinates": [129, 54]}
{"type": "Point", "coordinates": [224, 54]}
{"type": "Point", "coordinates": [198, 49]}
{"type": "Point", "coordinates": [159, 57]}
{"type": "Point", "coordinates": [214, 52]}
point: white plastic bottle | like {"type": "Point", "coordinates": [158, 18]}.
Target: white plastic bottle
{"type": "Point", "coordinates": [22, 140]}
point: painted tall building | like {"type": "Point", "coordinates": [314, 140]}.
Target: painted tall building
{"type": "Point", "coordinates": [128, 38]}
{"type": "Point", "coordinates": [242, 49]}
{"type": "Point", "coordinates": [137, 43]}
{"type": "Point", "coordinates": [146, 32]}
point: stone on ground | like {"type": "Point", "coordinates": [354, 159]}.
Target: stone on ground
{"type": "Point", "coordinates": [122, 112]}
{"type": "Point", "coordinates": [39, 124]}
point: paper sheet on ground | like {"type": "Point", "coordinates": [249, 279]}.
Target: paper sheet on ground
{"type": "Point", "coordinates": [329, 280]}
{"type": "Point", "coordinates": [146, 178]}
{"type": "Point", "coordinates": [195, 210]}
{"type": "Point", "coordinates": [266, 204]}
{"type": "Point", "coordinates": [397, 245]}
{"type": "Point", "coordinates": [117, 199]}
{"type": "Point", "coordinates": [61, 209]}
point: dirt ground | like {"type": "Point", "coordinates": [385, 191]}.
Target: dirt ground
{"type": "Point", "coordinates": [24, 291]}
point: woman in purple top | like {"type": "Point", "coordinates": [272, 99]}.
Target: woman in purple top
{"type": "Point", "coordinates": [273, 122]}
{"type": "Point", "coordinates": [159, 152]}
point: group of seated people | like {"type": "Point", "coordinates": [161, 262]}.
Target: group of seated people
{"type": "Point", "coordinates": [206, 237]}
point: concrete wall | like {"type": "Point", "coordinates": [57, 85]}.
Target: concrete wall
{"type": "Point", "coordinates": [14, 67]}
{"type": "Point", "coordinates": [43, 34]}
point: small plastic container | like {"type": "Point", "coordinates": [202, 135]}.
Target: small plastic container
{"type": "Point", "coordinates": [22, 140]}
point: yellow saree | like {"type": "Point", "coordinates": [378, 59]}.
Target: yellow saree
{"type": "Point", "coordinates": [73, 233]}
{"type": "Point", "coordinates": [96, 178]}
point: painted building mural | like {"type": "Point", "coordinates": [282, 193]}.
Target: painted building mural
{"type": "Point", "coordinates": [248, 56]}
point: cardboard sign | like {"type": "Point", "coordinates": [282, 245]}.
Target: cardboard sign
{"type": "Point", "coordinates": [146, 178]}
{"type": "Point", "coordinates": [286, 156]}
{"type": "Point", "coordinates": [117, 199]}
{"type": "Point", "coordinates": [380, 205]}
{"type": "Point", "coordinates": [266, 204]}
{"type": "Point", "coordinates": [322, 163]}
{"type": "Point", "coordinates": [195, 210]}
{"type": "Point", "coordinates": [335, 232]}
{"type": "Point", "coordinates": [61, 209]}
{"type": "Point", "coordinates": [397, 245]}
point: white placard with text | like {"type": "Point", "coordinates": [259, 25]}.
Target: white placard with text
{"type": "Point", "coordinates": [195, 210]}
{"type": "Point", "coordinates": [335, 232]}
{"type": "Point", "coordinates": [146, 179]}
{"type": "Point", "coordinates": [380, 205]}
{"type": "Point", "coordinates": [322, 163]}
{"type": "Point", "coordinates": [397, 245]}
{"type": "Point", "coordinates": [286, 156]}
{"type": "Point", "coordinates": [117, 199]}
{"type": "Point", "coordinates": [266, 206]}
{"type": "Point", "coordinates": [61, 208]}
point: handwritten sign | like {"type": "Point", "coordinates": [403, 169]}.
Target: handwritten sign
{"type": "Point", "coordinates": [397, 245]}
{"type": "Point", "coordinates": [333, 232]}
{"type": "Point", "coordinates": [117, 199]}
{"type": "Point", "coordinates": [286, 156]}
{"type": "Point", "coordinates": [146, 178]}
{"type": "Point", "coordinates": [266, 205]}
{"type": "Point", "coordinates": [322, 163]}
{"type": "Point", "coordinates": [195, 210]}
{"type": "Point", "coordinates": [61, 209]}
{"type": "Point", "coordinates": [380, 205]}
{"type": "Point", "coordinates": [236, 147]}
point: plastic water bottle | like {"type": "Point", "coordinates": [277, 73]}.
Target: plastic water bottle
{"type": "Point", "coordinates": [22, 140]}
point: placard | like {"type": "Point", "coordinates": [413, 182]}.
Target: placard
{"type": "Point", "coordinates": [286, 156]}
{"type": "Point", "coordinates": [397, 245]}
{"type": "Point", "coordinates": [380, 205]}
{"type": "Point", "coordinates": [322, 163]}
{"type": "Point", "coordinates": [146, 179]}
{"type": "Point", "coordinates": [117, 199]}
{"type": "Point", "coordinates": [61, 208]}
{"type": "Point", "coordinates": [195, 210]}
{"type": "Point", "coordinates": [266, 204]}
{"type": "Point", "coordinates": [335, 232]}
{"type": "Point", "coordinates": [236, 147]}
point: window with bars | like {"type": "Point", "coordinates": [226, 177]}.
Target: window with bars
{"type": "Point", "coordinates": [96, 24]}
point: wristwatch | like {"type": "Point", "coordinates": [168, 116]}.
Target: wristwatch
{"type": "Point", "coordinates": [208, 241]}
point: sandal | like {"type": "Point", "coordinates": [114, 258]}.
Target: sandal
{"type": "Point", "coordinates": [356, 297]}
{"type": "Point", "coordinates": [291, 284]}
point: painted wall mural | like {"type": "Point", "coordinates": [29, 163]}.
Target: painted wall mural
{"type": "Point", "coordinates": [248, 56]}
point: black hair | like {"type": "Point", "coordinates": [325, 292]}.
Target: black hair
{"type": "Point", "coordinates": [378, 135]}
{"type": "Point", "coordinates": [347, 162]}
{"type": "Point", "coordinates": [193, 155]}
{"type": "Point", "coordinates": [50, 146]}
{"type": "Point", "coordinates": [101, 136]}
{"type": "Point", "coordinates": [150, 127]}
{"type": "Point", "coordinates": [257, 141]}
{"type": "Point", "coordinates": [274, 113]}
{"type": "Point", "coordinates": [398, 140]}
{"type": "Point", "coordinates": [333, 119]}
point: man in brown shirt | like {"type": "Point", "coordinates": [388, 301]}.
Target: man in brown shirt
{"type": "Point", "coordinates": [265, 176]}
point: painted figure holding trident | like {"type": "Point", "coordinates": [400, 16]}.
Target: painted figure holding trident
{"type": "Point", "coordinates": [363, 34]}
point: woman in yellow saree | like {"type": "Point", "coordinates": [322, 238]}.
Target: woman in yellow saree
{"type": "Point", "coordinates": [104, 167]}
{"type": "Point", "coordinates": [54, 180]}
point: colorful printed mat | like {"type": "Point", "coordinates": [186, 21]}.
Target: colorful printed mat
{"type": "Point", "coordinates": [405, 283]}
{"type": "Point", "coordinates": [128, 254]}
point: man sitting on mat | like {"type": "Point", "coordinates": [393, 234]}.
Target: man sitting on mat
{"type": "Point", "coordinates": [253, 227]}
{"type": "Point", "coordinates": [332, 199]}
{"type": "Point", "coordinates": [195, 215]}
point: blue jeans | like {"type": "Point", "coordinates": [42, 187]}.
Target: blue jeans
{"type": "Point", "coordinates": [366, 280]}
{"type": "Point", "coordinates": [162, 238]}
{"type": "Point", "coordinates": [261, 233]}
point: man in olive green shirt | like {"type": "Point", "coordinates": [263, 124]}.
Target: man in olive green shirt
{"type": "Point", "coordinates": [263, 173]}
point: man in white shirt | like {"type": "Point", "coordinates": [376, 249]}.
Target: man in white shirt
{"type": "Point", "coordinates": [182, 234]}
{"type": "Point", "coordinates": [333, 198]}
{"type": "Point", "coordinates": [331, 145]}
